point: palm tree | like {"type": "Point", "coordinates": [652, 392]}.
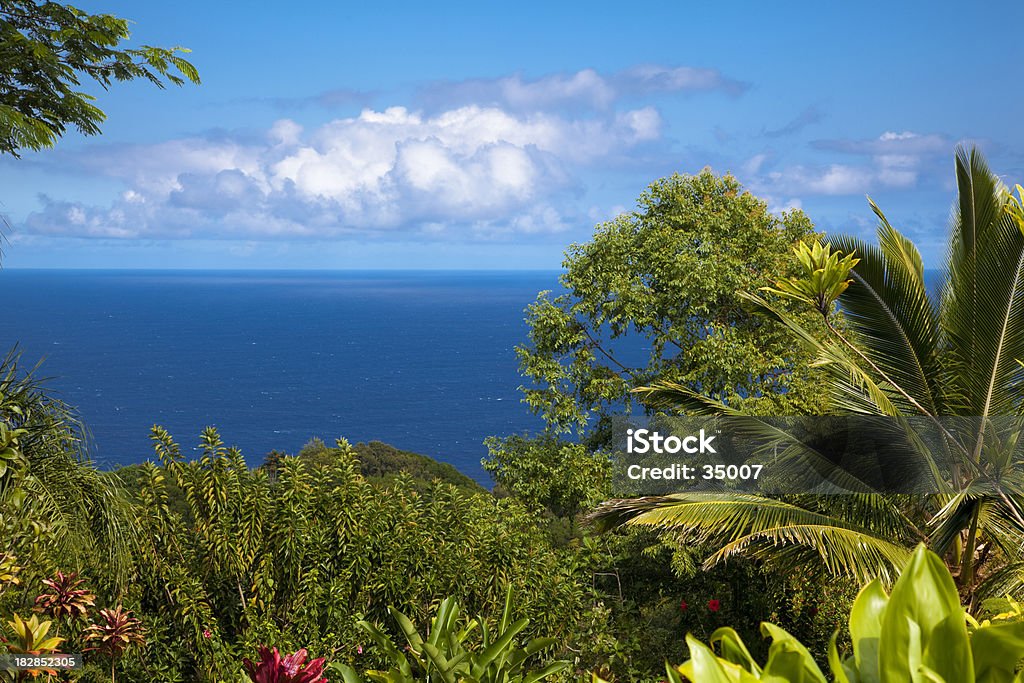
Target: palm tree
{"type": "Point", "coordinates": [56, 508]}
{"type": "Point", "coordinates": [910, 357]}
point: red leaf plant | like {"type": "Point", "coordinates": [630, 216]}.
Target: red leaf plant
{"type": "Point", "coordinates": [271, 668]}
{"type": "Point", "coordinates": [116, 631]}
{"type": "Point", "coordinates": [65, 598]}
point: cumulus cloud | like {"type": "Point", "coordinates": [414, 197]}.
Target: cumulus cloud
{"type": "Point", "coordinates": [906, 143]}
{"type": "Point", "coordinates": [586, 88]}
{"type": "Point", "coordinates": [473, 170]}
{"type": "Point", "coordinates": [832, 179]}
{"type": "Point", "coordinates": [894, 160]}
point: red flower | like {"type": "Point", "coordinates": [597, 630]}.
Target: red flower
{"type": "Point", "coordinates": [683, 606]}
{"type": "Point", "coordinates": [206, 633]}
{"type": "Point", "coordinates": [714, 605]}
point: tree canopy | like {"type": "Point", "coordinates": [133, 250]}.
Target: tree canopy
{"type": "Point", "coordinates": [45, 50]}
{"type": "Point", "coordinates": [656, 294]}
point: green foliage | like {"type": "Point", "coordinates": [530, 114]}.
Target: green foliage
{"type": "Point", "coordinates": [547, 472]}
{"type": "Point", "coordinates": [383, 463]}
{"type": "Point", "coordinates": [900, 354]}
{"type": "Point", "coordinates": [444, 655]}
{"type": "Point", "coordinates": [46, 48]}
{"type": "Point", "coordinates": [824, 277]}
{"type": "Point", "coordinates": [669, 276]}
{"type": "Point", "coordinates": [56, 510]}
{"type": "Point", "coordinates": [297, 558]}
{"type": "Point", "coordinates": [919, 632]}
{"type": "Point", "coordinates": [30, 638]}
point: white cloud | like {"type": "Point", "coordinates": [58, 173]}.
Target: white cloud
{"type": "Point", "coordinates": [894, 160]}
{"type": "Point", "coordinates": [585, 88]}
{"type": "Point", "coordinates": [476, 171]}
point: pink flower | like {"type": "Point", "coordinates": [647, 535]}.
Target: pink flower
{"type": "Point", "coordinates": [359, 649]}
{"type": "Point", "coordinates": [206, 633]}
{"type": "Point", "coordinates": [714, 605]}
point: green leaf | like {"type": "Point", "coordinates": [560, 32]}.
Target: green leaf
{"type": "Point", "coordinates": [997, 649]}
{"type": "Point", "coordinates": [550, 670]}
{"type": "Point", "coordinates": [788, 658]}
{"type": "Point", "coordinates": [704, 666]}
{"type": "Point", "coordinates": [923, 598]}
{"type": "Point", "coordinates": [866, 629]}
{"type": "Point", "coordinates": [734, 649]}
{"type": "Point", "coordinates": [948, 650]}
{"type": "Point", "coordinates": [835, 664]}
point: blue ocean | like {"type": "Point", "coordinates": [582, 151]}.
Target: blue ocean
{"type": "Point", "coordinates": [421, 360]}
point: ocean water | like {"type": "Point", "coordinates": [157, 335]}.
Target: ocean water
{"type": "Point", "coordinates": [420, 360]}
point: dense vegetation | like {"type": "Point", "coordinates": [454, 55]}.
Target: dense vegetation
{"type": "Point", "coordinates": [181, 569]}
{"type": "Point", "coordinates": [366, 562]}
{"type": "Point", "coordinates": [953, 363]}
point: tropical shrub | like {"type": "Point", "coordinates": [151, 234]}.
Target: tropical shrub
{"type": "Point", "coordinates": [444, 654]}
{"type": "Point", "coordinates": [30, 638]}
{"type": "Point", "coordinates": [114, 632]}
{"type": "Point", "coordinates": [66, 597]}
{"type": "Point", "coordinates": [298, 555]}
{"type": "Point", "coordinates": [919, 632]}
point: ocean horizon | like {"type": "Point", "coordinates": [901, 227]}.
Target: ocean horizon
{"type": "Point", "coordinates": [422, 360]}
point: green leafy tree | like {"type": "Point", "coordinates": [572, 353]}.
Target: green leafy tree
{"type": "Point", "coordinates": [904, 354]}
{"type": "Point", "coordinates": [46, 48]}
{"type": "Point", "coordinates": [548, 472]}
{"type": "Point", "coordinates": [656, 294]}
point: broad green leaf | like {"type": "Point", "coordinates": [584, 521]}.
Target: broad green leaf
{"type": "Point", "coordinates": [922, 598]}
{"type": "Point", "coordinates": [787, 656]}
{"type": "Point", "coordinates": [948, 650]}
{"type": "Point", "coordinates": [348, 674]}
{"type": "Point", "coordinates": [734, 649]}
{"type": "Point", "coordinates": [866, 629]}
{"type": "Point", "coordinates": [996, 650]}
{"type": "Point", "coordinates": [500, 645]}
{"type": "Point", "coordinates": [704, 666]}
{"type": "Point", "coordinates": [549, 670]}
{"type": "Point", "coordinates": [835, 663]}
{"type": "Point", "coordinates": [411, 635]}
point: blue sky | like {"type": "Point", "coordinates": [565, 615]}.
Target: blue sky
{"type": "Point", "coordinates": [487, 135]}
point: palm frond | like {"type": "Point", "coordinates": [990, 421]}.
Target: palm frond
{"type": "Point", "coordinates": [666, 395]}
{"type": "Point", "coordinates": [888, 308]}
{"type": "Point", "coordinates": [840, 550]}
{"type": "Point", "coordinates": [983, 302]}
{"type": "Point", "coordinates": [773, 529]}
{"type": "Point", "coordinates": [854, 387]}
